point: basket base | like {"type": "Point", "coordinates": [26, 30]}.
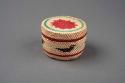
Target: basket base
{"type": "Point", "coordinates": [63, 58]}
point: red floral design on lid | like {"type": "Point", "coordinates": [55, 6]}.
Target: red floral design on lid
{"type": "Point", "coordinates": [64, 24]}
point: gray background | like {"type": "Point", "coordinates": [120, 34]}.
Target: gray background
{"type": "Point", "coordinates": [21, 59]}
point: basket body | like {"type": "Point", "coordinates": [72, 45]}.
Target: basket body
{"type": "Point", "coordinates": [63, 37]}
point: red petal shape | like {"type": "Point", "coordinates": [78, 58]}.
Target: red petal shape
{"type": "Point", "coordinates": [64, 24]}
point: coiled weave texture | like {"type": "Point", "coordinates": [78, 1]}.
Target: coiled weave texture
{"type": "Point", "coordinates": [63, 37]}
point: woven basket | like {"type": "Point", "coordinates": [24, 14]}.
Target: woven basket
{"type": "Point", "coordinates": [63, 37]}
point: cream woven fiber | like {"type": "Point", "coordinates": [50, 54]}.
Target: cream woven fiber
{"type": "Point", "coordinates": [63, 44]}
